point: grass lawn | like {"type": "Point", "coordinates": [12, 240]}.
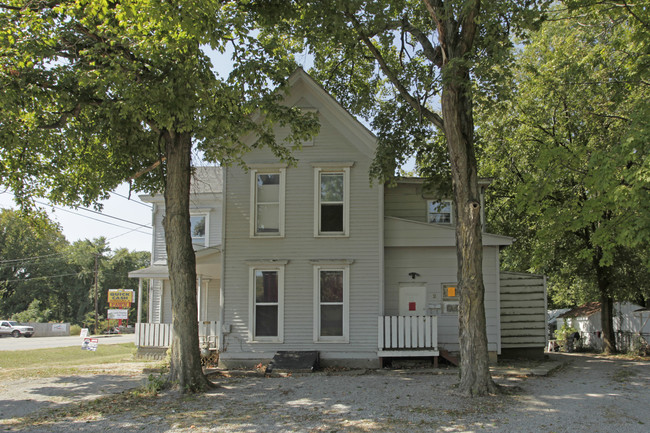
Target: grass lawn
{"type": "Point", "coordinates": [67, 360]}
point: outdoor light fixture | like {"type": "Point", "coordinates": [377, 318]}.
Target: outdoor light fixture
{"type": "Point", "coordinates": [413, 275]}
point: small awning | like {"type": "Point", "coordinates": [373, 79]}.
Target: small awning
{"type": "Point", "coordinates": [154, 271]}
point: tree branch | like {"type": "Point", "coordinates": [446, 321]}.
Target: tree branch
{"type": "Point", "coordinates": [434, 54]}
{"type": "Point", "coordinates": [147, 169]}
{"type": "Point", "coordinates": [468, 27]}
{"type": "Point", "coordinates": [414, 103]}
{"type": "Point", "coordinates": [437, 12]}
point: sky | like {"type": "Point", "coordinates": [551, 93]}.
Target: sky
{"type": "Point", "coordinates": [126, 223]}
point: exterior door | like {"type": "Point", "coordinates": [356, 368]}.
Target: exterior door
{"type": "Point", "coordinates": [412, 300]}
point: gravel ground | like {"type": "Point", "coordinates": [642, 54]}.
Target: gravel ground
{"type": "Point", "coordinates": [590, 394]}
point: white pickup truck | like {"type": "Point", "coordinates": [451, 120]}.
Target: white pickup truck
{"type": "Point", "coordinates": [15, 329]}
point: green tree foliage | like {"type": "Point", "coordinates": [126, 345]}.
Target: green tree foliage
{"type": "Point", "coordinates": [43, 278]}
{"type": "Point", "coordinates": [95, 92]}
{"type": "Point", "coordinates": [30, 253]}
{"type": "Point", "coordinates": [410, 66]}
{"type": "Point", "coordinates": [569, 151]}
{"type": "Point", "coordinates": [34, 313]}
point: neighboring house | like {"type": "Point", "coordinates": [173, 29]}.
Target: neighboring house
{"type": "Point", "coordinates": [628, 319]}
{"type": "Point", "coordinates": [206, 226]}
{"type": "Point", "coordinates": [317, 257]}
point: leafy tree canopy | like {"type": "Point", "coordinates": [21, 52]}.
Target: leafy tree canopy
{"type": "Point", "coordinates": [89, 89]}
{"type": "Point", "coordinates": [568, 149]}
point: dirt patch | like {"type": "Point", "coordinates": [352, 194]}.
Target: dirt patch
{"type": "Point", "coordinates": [589, 395]}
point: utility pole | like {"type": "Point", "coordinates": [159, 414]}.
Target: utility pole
{"type": "Point", "coordinates": [96, 304]}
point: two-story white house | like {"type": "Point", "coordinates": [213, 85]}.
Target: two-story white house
{"type": "Point", "coordinates": [317, 257]}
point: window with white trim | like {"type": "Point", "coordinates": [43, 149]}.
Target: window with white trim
{"type": "Point", "coordinates": [267, 203]}
{"type": "Point", "coordinates": [267, 304]}
{"type": "Point", "coordinates": [331, 304]}
{"type": "Point", "coordinates": [439, 211]}
{"type": "Point", "coordinates": [198, 225]}
{"type": "Point", "coordinates": [332, 201]}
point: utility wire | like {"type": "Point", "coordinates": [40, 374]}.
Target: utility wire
{"type": "Point", "coordinates": [32, 258]}
{"type": "Point", "coordinates": [95, 219]}
{"type": "Point", "coordinates": [131, 200]}
{"type": "Point", "coordinates": [38, 278]}
{"type": "Point", "coordinates": [98, 213]}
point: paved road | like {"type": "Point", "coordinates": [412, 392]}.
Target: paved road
{"type": "Point", "coordinates": [10, 343]}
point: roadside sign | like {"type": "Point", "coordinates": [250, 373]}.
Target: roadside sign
{"type": "Point", "coordinates": [118, 314]}
{"type": "Point", "coordinates": [84, 333]}
{"type": "Point", "coordinates": [121, 295]}
{"type": "Point", "coordinates": [119, 304]}
{"type": "Point", "coordinates": [90, 344]}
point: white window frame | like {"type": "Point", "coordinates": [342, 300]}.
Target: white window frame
{"type": "Point", "coordinates": [253, 303]}
{"type": "Point", "coordinates": [451, 210]}
{"type": "Point", "coordinates": [345, 338]}
{"type": "Point", "coordinates": [206, 215]}
{"type": "Point", "coordinates": [342, 168]}
{"type": "Point", "coordinates": [253, 205]}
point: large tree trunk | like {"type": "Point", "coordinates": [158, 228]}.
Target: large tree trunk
{"type": "Point", "coordinates": [185, 368]}
{"type": "Point", "coordinates": [603, 276]}
{"type": "Point", "coordinates": [475, 378]}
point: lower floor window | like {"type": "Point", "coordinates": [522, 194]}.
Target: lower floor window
{"type": "Point", "coordinates": [331, 304]}
{"type": "Point", "coordinates": [267, 294]}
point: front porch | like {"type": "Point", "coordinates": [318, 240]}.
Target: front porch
{"type": "Point", "coordinates": [159, 335]}
{"type": "Point", "coordinates": [407, 336]}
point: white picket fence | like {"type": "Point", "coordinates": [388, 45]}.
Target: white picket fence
{"type": "Point", "coordinates": [160, 334]}
{"type": "Point", "coordinates": [408, 336]}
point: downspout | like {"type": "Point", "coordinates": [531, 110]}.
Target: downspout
{"type": "Point", "coordinates": [222, 289]}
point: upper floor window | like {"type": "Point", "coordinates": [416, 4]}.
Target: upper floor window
{"type": "Point", "coordinates": [267, 203]}
{"type": "Point", "coordinates": [332, 201]}
{"type": "Point", "coordinates": [439, 211]}
{"type": "Point", "coordinates": [198, 230]}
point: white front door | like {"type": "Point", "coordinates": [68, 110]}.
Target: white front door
{"type": "Point", "coordinates": [412, 300]}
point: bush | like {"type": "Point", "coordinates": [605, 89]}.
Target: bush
{"type": "Point", "coordinates": [564, 336]}
{"type": "Point", "coordinates": [75, 330]}
{"type": "Point", "coordinates": [34, 313]}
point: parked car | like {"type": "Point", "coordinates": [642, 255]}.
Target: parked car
{"type": "Point", "coordinates": [15, 329]}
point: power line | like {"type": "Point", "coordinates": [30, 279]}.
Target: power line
{"type": "Point", "coordinates": [95, 219]}
{"type": "Point", "coordinates": [103, 214]}
{"type": "Point", "coordinates": [129, 199]}
{"type": "Point", "coordinates": [95, 212]}
{"type": "Point", "coordinates": [26, 259]}
{"type": "Point", "coordinates": [38, 278]}
{"type": "Point", "coordinates": [126, 233]}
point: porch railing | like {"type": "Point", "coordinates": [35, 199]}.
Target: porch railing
{"type": "Point", "coordinates": [160, 334]}
{"type": "Point", "coordinates": [408, 335]}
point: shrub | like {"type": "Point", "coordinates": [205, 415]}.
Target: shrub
{"type": "Point", "coordinates": [75, 330]}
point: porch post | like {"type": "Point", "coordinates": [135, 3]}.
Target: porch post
{"type": "Point", "coordinates": [139, 314]}
{"type": "Point", "coordinates": [199, 298]}
{"type": "Point", "coordinates": [150, 301]}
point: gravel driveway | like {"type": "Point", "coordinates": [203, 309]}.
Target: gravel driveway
{"type": "Point", "coordinates": [590, 394]}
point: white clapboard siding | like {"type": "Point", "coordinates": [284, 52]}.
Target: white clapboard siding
{"type": "Point", "coordinates": [523, 310]}
{"type": "Point", "coordinates": [300, 249]}
{"type": "Point", "coordinates": [437, 266]}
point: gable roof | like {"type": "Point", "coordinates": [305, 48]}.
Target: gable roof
{"type": "Point", "coordinates": [399, 232]}
{"type": "Point", "coordinates": [349, 125]}
{"type": "Point", "coordinates": [584, 310]}
{"type": "Point", "coordinates": [205, 180]}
